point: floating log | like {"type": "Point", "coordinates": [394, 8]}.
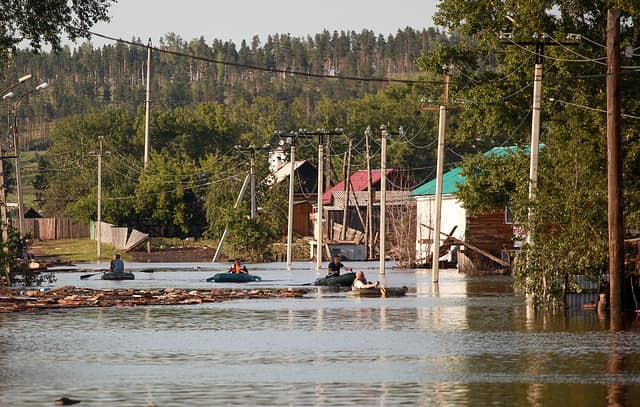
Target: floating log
{"type": "Point", "coordinates": [73, 297]}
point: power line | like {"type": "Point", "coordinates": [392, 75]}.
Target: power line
{"type": "Point", "coordinates": [562, 102]}
{"type": "Point", "coordinates": [262, 68]}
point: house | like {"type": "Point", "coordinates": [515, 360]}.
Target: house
{"type": "Point", "coordinates": [359, 183]}
{"type": "Point", "coordinates": [491, 233]}
{"type": "Point", "coordinates": [353, 245]}
{"type": "Point", "coordinates": [304, 193]}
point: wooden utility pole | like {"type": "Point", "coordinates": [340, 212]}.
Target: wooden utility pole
{"type": "Point", "coordinates": [99, 225]}
{"type": "Point", "coordinates": [3, 215]}
{"type": "Point", "coordinates": [147, 116]}
{"type": "Point", "coordinates": [323, 135]}
{"type": "Point", "coordinates": [369, 227]}
{"type": "Point", "coordinates": [614, 172]}
{"type": "Point", "coordinates": [347, 184]}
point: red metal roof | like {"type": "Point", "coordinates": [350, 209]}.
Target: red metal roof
{"type": "Point", "coordinates": [358, 183]}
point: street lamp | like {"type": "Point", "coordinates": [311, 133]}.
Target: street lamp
{"type": "Point", "coordinates": [16, 149]}
{"type": "Point", "coordinates": [3, 196]}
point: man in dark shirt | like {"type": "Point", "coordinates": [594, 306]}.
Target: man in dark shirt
{"type": "Point", "coordinates": [335, 266]}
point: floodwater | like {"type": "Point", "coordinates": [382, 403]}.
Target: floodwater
{"type": "Point", "coordinates": [465, 342]}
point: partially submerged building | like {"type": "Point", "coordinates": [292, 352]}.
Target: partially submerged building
{"type": "Point", "coordinates": [481, 244]}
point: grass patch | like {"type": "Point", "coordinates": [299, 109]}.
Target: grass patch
{"type": "Point", "coordinates": [75, 250]}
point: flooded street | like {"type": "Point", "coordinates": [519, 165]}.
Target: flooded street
{"type": "Point", "coordinates": [470, 341]}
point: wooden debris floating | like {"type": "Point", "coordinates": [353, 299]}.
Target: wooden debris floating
{"type": "Point", "coordinates": [74, 297]}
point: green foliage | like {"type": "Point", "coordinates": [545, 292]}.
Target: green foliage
{"type": "Point", "coordinates": [569, 215]}
{"type": "Point", "coordinates": [42, 22]}
{"type": "Point", "coordinates": [493, 181]}
{"type": "Point", "coordinates": [165, 194]}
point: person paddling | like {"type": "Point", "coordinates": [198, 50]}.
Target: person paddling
{"type": "Point", "coordinates": [236, 267]}
{"type": "Point", "coordinates": [117, 265]}
{"type": "Point", "coordinates": [333, 270]}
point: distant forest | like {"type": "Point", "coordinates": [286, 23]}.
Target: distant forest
{"type": "Point", "coordinates": [87, 79]}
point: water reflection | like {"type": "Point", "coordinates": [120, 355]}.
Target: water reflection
{"type": "Point", "coordinates": [466, 341]}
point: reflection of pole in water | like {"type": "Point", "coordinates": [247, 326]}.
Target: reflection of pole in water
{"type": "Point", "coordinates": [320, 319]}
{"type": "Point", "coordinates": [383, 318]}
{"type": "Point", "coordinates": [616, 392]}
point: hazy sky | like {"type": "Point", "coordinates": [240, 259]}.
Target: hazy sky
{"type": "Point", "coordinates": [241, 19]}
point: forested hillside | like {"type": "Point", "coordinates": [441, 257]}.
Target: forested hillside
{"type": "Point", "coordinates": [87, 78]}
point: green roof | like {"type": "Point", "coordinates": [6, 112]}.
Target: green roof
{"type": "Point", "coordinates": [451, 179]}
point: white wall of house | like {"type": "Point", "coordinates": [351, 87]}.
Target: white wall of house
{"type": "Point", "coordinates": [452, 214]}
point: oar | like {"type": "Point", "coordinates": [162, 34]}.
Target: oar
{"type": "Point", "coordinates": [85, 276]}
{"type": "Point", "coordinates": [145, 271]}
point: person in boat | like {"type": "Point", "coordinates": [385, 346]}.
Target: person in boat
{"type": "Point", "coordinates": [117, 265]}
{"type": "Point", "coordinates": [334, 267]}
{"type": "Point", "coordinates": [361, 282]}
{"type": "Point", "coordinates": [236, 267]}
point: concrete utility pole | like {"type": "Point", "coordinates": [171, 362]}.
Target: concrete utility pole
{"type": "Point", "coordinates": [442, 125]}
{"type": "Point", "coordinates": [99, 226]}
{"type": "Point", "coordinates": [292, 175]}
{"type": "Point", "coordinates": [320, 209]}
{"type": "Point", "coordinates": [369, 227]}
{"type": "Point", "coordinates": [347, 183]}
{"type": "Point", "coordinates": [3, 191]}
{"type": "Point", "coordinates": [16, 150]}
{"type": "Point", "coordinates": [147, 116]}
{"type": "Point", "coordinates": [224, 234]}
{"type": "Point", "coordinates": [614, 172]}
{"type": "Point", "coordinates": [535, 132]}
{"type": "Point", "coordinates": [383, 196]}
{"type": "Point", "coordinates": [252, 173]}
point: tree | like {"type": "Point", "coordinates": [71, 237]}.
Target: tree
{"type": "Point", "coordinates": [43, 22]}
{"type": "Point", "coordinates": [568, 225]}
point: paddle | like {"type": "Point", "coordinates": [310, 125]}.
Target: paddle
{"type": "Point", "coordinates": [85, 276]}
{"type": "Point", "coordinates": [145, 271]}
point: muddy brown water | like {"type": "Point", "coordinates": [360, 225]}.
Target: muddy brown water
{"type": "Point", "coordinates": [465, 342]}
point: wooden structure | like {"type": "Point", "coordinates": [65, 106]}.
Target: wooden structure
{"type": "Point", "coordinates": [55, 228]}
{"type": "Point", "coordinates": [489, 233]}
{"type": "Point", "coordinates": [304, 195]}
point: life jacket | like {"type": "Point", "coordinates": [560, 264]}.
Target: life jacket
{"type": "Point", "coordinates": [236, 268]}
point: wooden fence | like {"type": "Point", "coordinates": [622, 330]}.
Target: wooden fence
{"type": "Point", "coordinates": [55, 228]}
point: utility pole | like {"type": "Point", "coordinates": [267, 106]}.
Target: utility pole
{"type": "Point", "coordinates": [3, 191]}
{"type": "Point", "coordinates": [147, 116]}
{"type": "Point", "coordinates": [369, 227]}
{"type": "Point", "coordinates": [16, 149]}
{"type": "Point", "coordinates": [535, 134]}
{"type": "Point", "coordinates": [252, 173]}
{"type": "Point", "coordinates": [99, 226]}
{"type": "Point", "coordinates": [224, 234]}
{"type": "Point", "coordinates": [347, 182]}
{"type": "Point", "coordinates": [442, 124]}
{"type": "Point", "coordinates": [319, 214]}
{"type": "Point", "coordinates": [614, 171]}
{"type": "Point", "coordinates": [383, 196]}
{"type": "Point", "coordinates": [292, 175]}
{"type": "Point", "coordinates": [3, 215]}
